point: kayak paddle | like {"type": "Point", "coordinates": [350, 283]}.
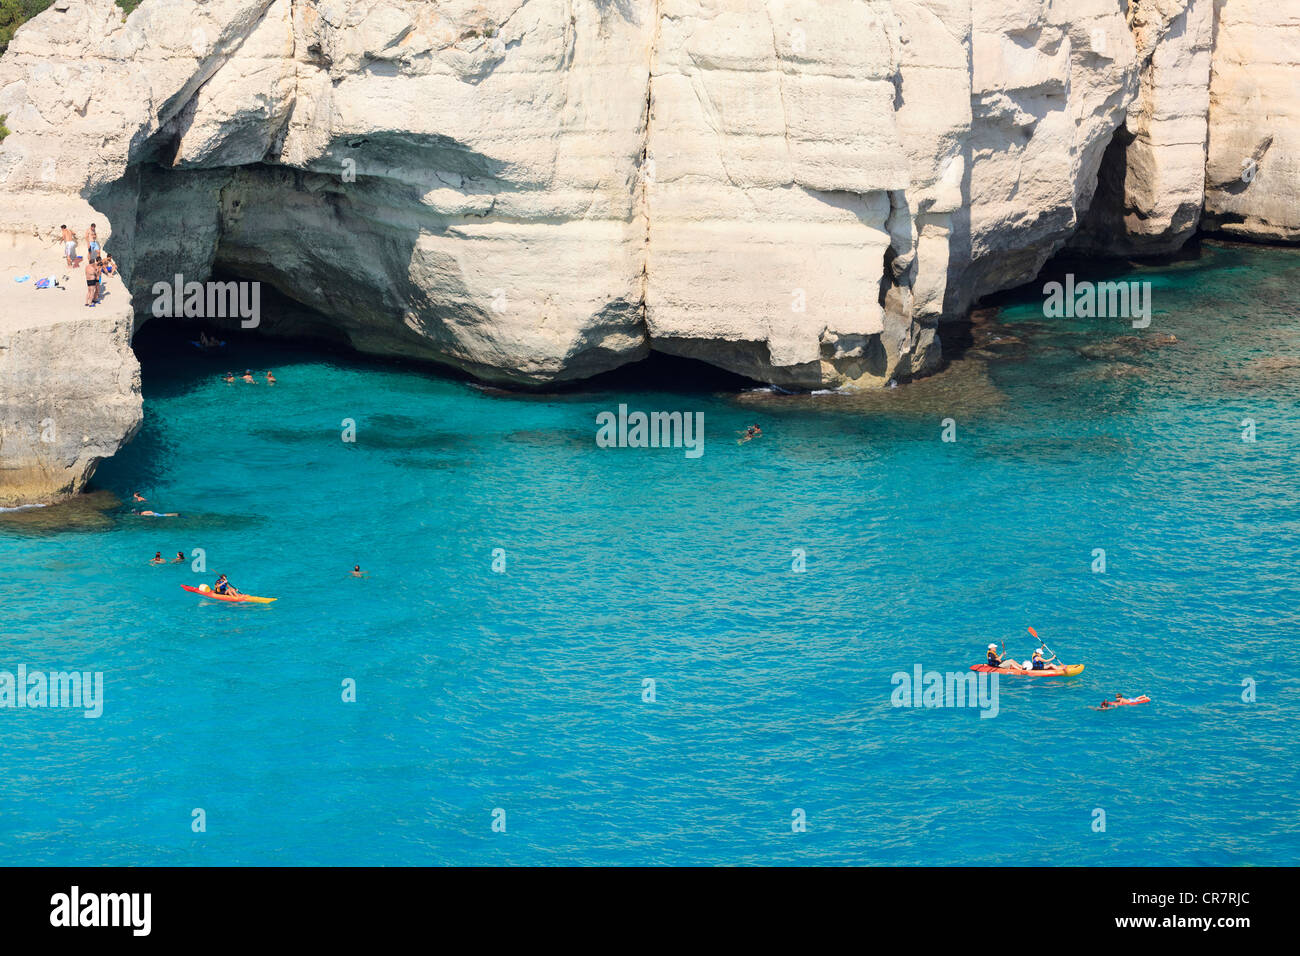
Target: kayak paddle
{"type": "Point", "coordinates": [1040, 641]}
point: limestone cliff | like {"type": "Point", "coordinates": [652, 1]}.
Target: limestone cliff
{"type": "Point", "coordinates": [539, 190]}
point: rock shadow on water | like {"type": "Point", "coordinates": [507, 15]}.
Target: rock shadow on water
{"type": "Point", "coordinates": [99, 509]}
{"type": "Point", "coordinates": [191, 520]}
{"type": "Point", "coordinates": [542, 438]}
{"type": "Point", "coordinates": [1058, 449]}
{"type": "Point", "coordinates": [1126, 347]}
{"type": "Point", "coordinates": [385, 432]}
{"type": "Point", "coordinates": [421, 463]}
{"type": "Point", "coordinates": [966, 383]}
{"type": "Point", "coordinates": [85, 512]}
{"type": "Point", "coordinates": [1267, 371]}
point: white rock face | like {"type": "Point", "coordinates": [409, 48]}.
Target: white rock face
{"type": "Point", "coordinates": [540, 190]}
{"type": "Point", "coordinates": [1252, 178]}
{"type": "Point", "coordinates": [1050, 84]}
{"type": "Point", "coordinates": [1152, 183]}
{"type": "Point", "coordinates": [773, 154]}
{"type": "Point", "coordinates": [69, 382]}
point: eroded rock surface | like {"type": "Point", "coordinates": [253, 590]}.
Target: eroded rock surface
{"type": "Point", "coordinates": [536, 191]}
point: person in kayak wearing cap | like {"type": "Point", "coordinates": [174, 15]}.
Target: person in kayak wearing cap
{"type": "Point", "coordinates": [1040, 663]}
{"type": "Point", "coordinates": [223, 586]}
{"type": "Point", "coordinates": [996, 661]}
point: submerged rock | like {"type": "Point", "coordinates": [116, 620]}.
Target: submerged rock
{"type": "Point", "coordinates": [1126, 346]}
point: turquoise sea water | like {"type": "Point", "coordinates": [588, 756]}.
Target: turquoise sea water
{"type": "Point", "coordinates": [523, 690]}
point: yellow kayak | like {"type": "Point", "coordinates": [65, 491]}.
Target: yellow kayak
{"type": "Point", "coordinates": [1067, 670]}
{"type": "Point", "coordinates": [207, 592]}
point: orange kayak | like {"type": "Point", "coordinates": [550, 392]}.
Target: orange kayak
{"type": "Point", "coordinates": [207, 592]}
{"type": "Point", "coordinates": [1069, 670]}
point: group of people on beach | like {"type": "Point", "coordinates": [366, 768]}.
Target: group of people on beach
{"type": "Point", "coordinates": [98, 262]}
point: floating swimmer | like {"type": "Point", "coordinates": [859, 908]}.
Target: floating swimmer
{"type": "Point", "coordinates": [356, 571]}
{"type": "Point", "coordinates": [180, 558]}
{"type": "Point", "coordinates": [136, 496]}
{"type": "Point", "coordinates": [1120, 700]}
{"type": "Point", "coordinates": [157, 558]}
{"type": "Point", "coordinates": [157, 514]}
{"type": "Point", "coordinates": [750, 433]}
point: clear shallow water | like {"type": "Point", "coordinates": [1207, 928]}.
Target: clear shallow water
{"type": "Point", "coordinates": [523, 690]}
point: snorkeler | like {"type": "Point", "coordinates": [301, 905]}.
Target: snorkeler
{"type": "Point", "coordinates": [1120, 700]}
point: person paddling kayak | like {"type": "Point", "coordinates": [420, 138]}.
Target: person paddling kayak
{"type": "Point", "coordinates": [1039, 663]}
{"type": "Point", "coordinates": [1002, 660]}
{"type": "Point", "coordinates": [224, 587]}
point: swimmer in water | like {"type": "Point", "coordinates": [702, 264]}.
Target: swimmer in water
{"type": "Point", "coordinates": [157, 514]}
{"type": "Point", "coordinates": [356, 571]}
{"type": "Point", "coordinates": [270, 377]}
{"type": "Point", "coordinates": [750, 433]}
{"type": "Point", "coordinates": [248, 377]}
{"type": "Point", "coordinates": [229, 378]}
{"type": "Point", "coordinates": [136, 496]}
{"type": "Point", "coordinates": [157, 558]}
{"type": "Point", "coordinates": [180, 558]}
{"type": "Point", "coordinates": [1120, 700]}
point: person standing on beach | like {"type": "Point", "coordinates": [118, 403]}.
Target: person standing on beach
{"type": "Point", "coordinates": [92, 282]}
{"type": "Point", "coordinates": [69, 245]}
{"type": "Point", "coordinates": [92, 243]}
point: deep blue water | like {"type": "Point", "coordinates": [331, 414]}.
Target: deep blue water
{"type": "Point", "coordinates": [523, 690]}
